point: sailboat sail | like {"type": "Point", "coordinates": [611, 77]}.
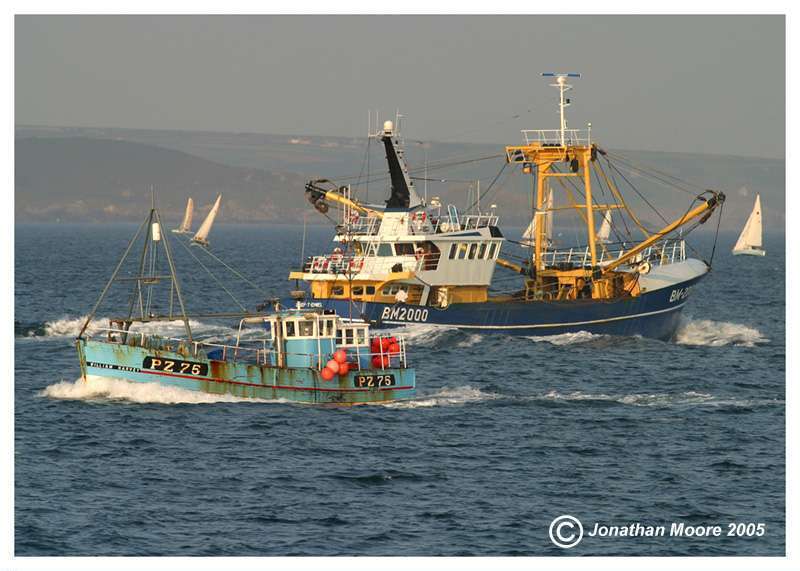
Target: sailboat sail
{"type": "Point", "coordinates": [186, 224]}
{"type": "Point", "coordinates": [750, 240]}
{"type": "Point", "coordinates": [202, 233]}
{"type": "Point", "coordinates": [605, 227]}
{"type": "Point", "coordinates": [529, 236]}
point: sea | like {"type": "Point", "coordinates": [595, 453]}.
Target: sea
{"type": "Point", "coordinates": [506, 434]}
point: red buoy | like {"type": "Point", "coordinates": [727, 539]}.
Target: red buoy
{"type": "Point", "coordinates": [394, 349]}
{"type": "Point", "coordinates": [385, 343]}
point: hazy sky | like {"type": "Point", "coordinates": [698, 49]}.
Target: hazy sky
{"type": "Point", "coordinates": [710, 84]}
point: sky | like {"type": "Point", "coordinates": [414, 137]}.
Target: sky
{"type": "Point", "coordinates": [696, 84]}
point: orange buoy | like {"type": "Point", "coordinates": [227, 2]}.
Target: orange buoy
{"type": "Point", "coordinates": [340, 356]}
{"type": "Point", "coordinates": [327, 374]}
{"type": "Point", "coordinates": [333, 365]}
{"type": "Point", "coordinates": [344, 368]}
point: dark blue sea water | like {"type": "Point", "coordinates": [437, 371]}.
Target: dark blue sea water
{"type": "Point", "coordinates": [507, 432]}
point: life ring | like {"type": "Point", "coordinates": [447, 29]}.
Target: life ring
{"type": "Point", "coordinates": [644, 268]}
{"type": "Point", "coordinates": [320, 265]}
{"type": "Point", "coordinates": [420, 216]}
{"type": "Point", "coordinates": [356, 264]}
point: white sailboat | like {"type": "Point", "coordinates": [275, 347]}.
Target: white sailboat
{"type": "Point", "coordinates": [529, 236]}
{"type": "Point", "coordinates": [750, 240]}
{"type": "Point", "coordinates": [605, 227]}
{"type": "Point", "coordinates": [186, 224]}
{"type": "Point", "coordinates": [201, 237]}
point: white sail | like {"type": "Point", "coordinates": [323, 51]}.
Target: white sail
{"type": "Point", "coordinates": [529, 236]}
{"type": "Point", "coordinates": [605, 227]}
{"type": "Point", "coordinates": [750, 240]}
{"type": "Point", "coordinates": [202, 233]}
{"type": "Point", "coordinates": [186, 224]}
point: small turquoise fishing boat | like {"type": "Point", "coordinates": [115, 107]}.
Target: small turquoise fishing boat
{"type": "Point", "coordinates": [299, 355]}
{"type": "Point", "coordinates": [303, 356]}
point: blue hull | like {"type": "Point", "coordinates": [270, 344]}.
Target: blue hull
{"type": "Point", "coordinates": [654, 314]}
{"type": "Point", "coordinates": [303, 385]}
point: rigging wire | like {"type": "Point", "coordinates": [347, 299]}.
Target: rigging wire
{"type": "Point", "coordinates": [237, 273]}
{"type": "Point", "coordinates": [214, 277]}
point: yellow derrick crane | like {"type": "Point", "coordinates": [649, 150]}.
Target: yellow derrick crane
{"type": "Point", "coordinates": [319, 197]}
{"type": "Point", "coordinates": [540, 156]}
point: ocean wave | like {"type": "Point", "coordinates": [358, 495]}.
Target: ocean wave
{"type": "Point", "coordinates": [421, 334]}
{"type": "Point", "coordinates": [68, 326]}
{"type": "Point", "coordinates": [97, 388]}
{"type": "Point", "coordinates": [456, 396]}
{"type": "Point", "coordinates": [686, 398]}
{"type": "Point", "coordinates": [472, 339]}
{"type": "Point", "coordinates": [566, 338]}
{"type": "Point", "coordinates": [717, 333]}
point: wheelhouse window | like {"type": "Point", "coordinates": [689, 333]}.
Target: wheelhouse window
{"type": "Point", "coordinates": [328, 328]}
{"type": "Point", "coordinates": [453, 250]}
{"type": "Point", "coordinates": [370, 290]}
{"type": "Point", "coordinates": [385, 250]}
{"type": "Point", "coordinates": [482, 251]}
{"type": "Point", "coordinates": [404, 249]}
{"type": "Point", "coordinates": [351, 336]}
{"type": "Point", "coordinates": [472, 250]}
{"type": "Point", "coordinates": [306, 328]}
{"type": "Point", "coordinates": [337, 290]}
{"type": "Point", "coordinates": [492, 250]}
{"type": "Point", "coordinates": [462, 251]}
{"type": "Point", "coordinates": [289, 329]}
{"type": "Point", "coordinates": [358, 290]}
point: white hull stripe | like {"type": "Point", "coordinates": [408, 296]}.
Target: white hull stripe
{"type": "Point", "coordinates": [543, 325]}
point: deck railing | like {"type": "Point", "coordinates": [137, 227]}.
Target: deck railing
{"type": "Point", "coordinates": [661, 253]}
{"type": "Point", "coordinates": [340, 264]}
{"type": "Point", "coordinates": [552, 137]}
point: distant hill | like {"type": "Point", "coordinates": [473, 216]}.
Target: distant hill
{"type": "Point", "coordinates": [102, 174]}
{"type": "Point", "coordinates": [85, 179]}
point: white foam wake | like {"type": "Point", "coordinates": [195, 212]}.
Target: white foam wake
{"type": "Point", "coordinates": [635, 399]}
{"type": "Point", "coordinates": [446, 397]}
{"type": "Point", "coordinates": [717, 333]}
{"type": "Point", "coordinates": [423, 334]}
{"type": "Point", "coordinates": [686, 398]}
{"type": "Point", "coordinates": [71, 326]}
{"type": "Point", "coordinates": [565, 338]}
{"type": "Point", "coordinates": [96, 388]}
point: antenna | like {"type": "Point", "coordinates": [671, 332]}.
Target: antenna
{"type": "Point", "coordinates": [562, 85]}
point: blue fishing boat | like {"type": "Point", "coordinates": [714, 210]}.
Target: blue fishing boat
{"type": "Point", "coordinates": [298, 355]}
{"type": "Point", "coordinates": [414, 261]}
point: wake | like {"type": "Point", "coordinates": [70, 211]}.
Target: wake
{"type": "Point", "coordinates": [97, 389]}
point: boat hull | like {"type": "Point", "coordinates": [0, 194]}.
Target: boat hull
{"type": "Point", "coordinates": [750, 252]}
{"type": "Point", "coordinates": [655, 313]}
{"type": "Point", "coordinates": [302, 385]}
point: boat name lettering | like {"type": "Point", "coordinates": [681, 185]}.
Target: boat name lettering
{"type": "Point", "coordinates": [125, 368]}
{"type": "Point", "coordinates": [405, 314]}
{"type": "Point", "coordinates": [374, 381]}
{"type": "Point", "coordinates": [175, 366]}
{"type": "Point", "coordinates": [679, 294]}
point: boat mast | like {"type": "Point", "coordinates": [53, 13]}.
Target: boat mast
{"type": "Point", "coordinates": [546, 148]}
{"type": "Point", "coordinates": [153, 235]}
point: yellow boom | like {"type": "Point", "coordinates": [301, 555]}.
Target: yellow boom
{"type": "Point", "coordinates": [705, 208]}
